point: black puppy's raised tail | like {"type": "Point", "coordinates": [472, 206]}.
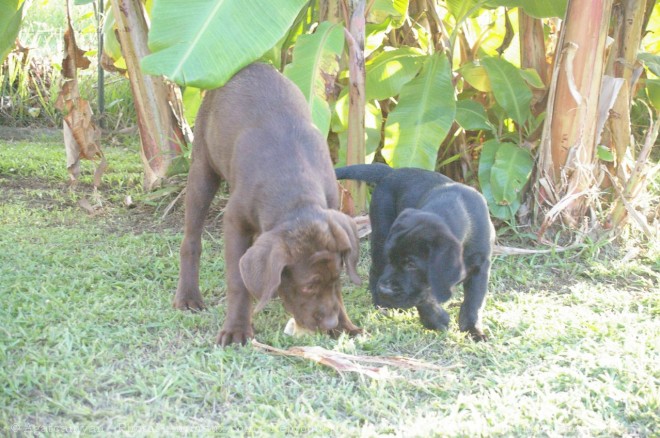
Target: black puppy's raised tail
{"type": "Point", "coordinates": [370, 173]}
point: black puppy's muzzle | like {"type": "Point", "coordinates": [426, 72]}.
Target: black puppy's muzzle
{"type": "Point", "coordinates": [390, 296]}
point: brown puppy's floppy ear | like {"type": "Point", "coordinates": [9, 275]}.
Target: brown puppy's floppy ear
{"type": "Point", "coordinates": [445, 257]}
{"type": "Point", "coordinates": [261, 267]}
{"type": "Point", "coordinates": [344, 231]}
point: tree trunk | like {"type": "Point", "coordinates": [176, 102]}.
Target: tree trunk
{"type": "Point", "coordinates": [160, 133]}
{"type": "Point", "coordinates": [624, 57]}
{"type": "Point", "coordinates": [627, 176]}
{"type": "Point", "coordinates": [532, 53]}
{"type": "Point", "coordinates": [330, 10]}
{"type": "Point", "coordinates": [357, 100]}
{"type": "Point", "coordinates": [567, 169]}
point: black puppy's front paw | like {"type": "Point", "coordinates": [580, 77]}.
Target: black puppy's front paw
{"type": "Point", "coordinates": [476, 334]}
{"type": "Point", "coordinates": [433, 316]}
{"type": "Point", "coordinates": [469, 321]}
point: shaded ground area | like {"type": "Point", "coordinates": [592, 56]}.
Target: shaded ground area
{"type": "Point", "coordinates": [9, 133]}
{"type": "Point", "coordinates": [164, 214]}
{"type": "Point", "coordinates": [154, 212]}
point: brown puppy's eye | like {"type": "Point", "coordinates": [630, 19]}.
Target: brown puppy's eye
{"type": "Point", "coordinates": [311, 286]}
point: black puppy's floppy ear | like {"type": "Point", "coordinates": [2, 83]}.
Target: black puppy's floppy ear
{"type": "Point", "coordinates": [261, 267]}
{"type": "Point", "coordinates": [344, 231]}
{"type": "Point", "coordinates": [446, 266]}
{"type": "Point", "coordinates": [411, 225]}
{"type": "Point", "coordinates": [445, 253]}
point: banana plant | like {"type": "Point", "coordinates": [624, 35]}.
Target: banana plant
{"type": "Point", "coordinates": [202, 44]}
{"type": "Point", "coordinates": [504, 171]}
{"type": "Point", "coordinates": [443, 80]}
{"type": "Point", "coordinates": [422, 117]}
{"type": "Point", "coordinates": [315, 65]}
{"type": "Point", "coordinates": [11, 15]}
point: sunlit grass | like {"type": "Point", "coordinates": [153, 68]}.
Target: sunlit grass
{"type": "Point", "coordinates": [89, 343]}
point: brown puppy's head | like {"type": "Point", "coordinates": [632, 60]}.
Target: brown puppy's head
{"type": "Point", "coordinates": [302, 261]}
{"type": "Point", "coordinates": [423, 257]}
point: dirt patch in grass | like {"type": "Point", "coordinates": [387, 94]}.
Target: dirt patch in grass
{"type": "Point", "coordinates": [144, 218]}
{"type": "Point", "coordinates": [112, 211]}
{"type": "Point", "coordinates": [10, 133]}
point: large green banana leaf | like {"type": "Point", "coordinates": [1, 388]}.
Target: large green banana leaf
{"type": "Point", "coordinates": [397, 10]}
{"type": "Point", "coordinates": [390, 70]}
{"type": "Point", "coordinates": [510, 172]}
{"type": "Point", "coordinates": [422, 117]}
{"type": "Point", "coordinates": [11, 15]}
{"type": "Point", "coordinates": [203, 43]}
{"type": "Point", "coordinates": [472, 116]}
{"type": "Point", "coordinates": [110, 43]}
{"type": "Point", "coordinates": [476, 76]}
{"type": "Point", "coordinates": [373, 123]}
{"type": "Point", "coordinates": [315, 61]}
{"type": "Point", "coordinates": [535, 8]}
{"type": "Point", "coordinates": [651, 61]}
{"type": "Point", "coordinates": [509, 88]}
{"type": "Point", "coordinates": [545, 8]}
{"type": "Point", "coordinates": [504, 169]}
{"type": "Point", "coordinates": [486, 161]}
{"type": "Point", "coordinates": [461, 8]}
{"type": "Point", "coordinates": [375, 34]}
{"type": "Point", "coordinates": [653, 92]}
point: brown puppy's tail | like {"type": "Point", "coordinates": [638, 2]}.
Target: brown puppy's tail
{"type": "Point", "coordinates": [371, 173]}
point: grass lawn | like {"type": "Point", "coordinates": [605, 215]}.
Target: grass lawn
{"type": "Point", "coordinates": [89, 343]}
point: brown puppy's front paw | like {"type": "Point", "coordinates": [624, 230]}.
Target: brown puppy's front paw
{"type": "Point", "coordinates": [234, 336]}
{"type": "Point", "coordinates": [354, 331]}
{"type": "Point", "coordinates": [350, 329]}
{"type": "Point", "coordinates": [188, 301]}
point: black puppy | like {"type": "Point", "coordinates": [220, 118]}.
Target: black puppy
{"type": "Point", "coordinates": [429, 233]}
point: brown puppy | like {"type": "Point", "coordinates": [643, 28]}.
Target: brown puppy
{"type": "Point", "coordinates": [283, 233]}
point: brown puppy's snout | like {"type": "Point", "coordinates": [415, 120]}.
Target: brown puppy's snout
{"type": "Point", "coordinates": [326, 322]}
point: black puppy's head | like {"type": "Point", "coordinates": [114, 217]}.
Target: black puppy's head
{"type": "Point", "coordinates": [423, 259]}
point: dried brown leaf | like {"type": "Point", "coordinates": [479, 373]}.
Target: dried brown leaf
{"type": "Point", "coordinates": [81, 135]}
{"type": "Point", "coordinates": [342, 362]}
{"type": "Point", "coordinates": [92, 210]}
{"type": "Point", "coordinates": [363, 225]}
{"type": "Point", "coordinates": [84, 130]}
{"type": "Point", "coordinates": [346, 203]}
